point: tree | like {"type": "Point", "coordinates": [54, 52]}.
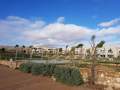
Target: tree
{"type": "Point", "coordinates": [23, 46]}
{"type": "Point", "coordinates": [93, 54]}
{"type": "Point", "coordinates": [66, 50]}
{"type": "Point", "coordinates": [23, 51]}
{"type": "Point", "coordinates": [79, 45]}
{"type": "Point", "coordinates": [2, 51]}
{"type": "Point", "coordinates": [31, 53]}
{"type": "Point", "coordinates": [16, 47]}
{"type": "Point", "coordinates": [60, 50]}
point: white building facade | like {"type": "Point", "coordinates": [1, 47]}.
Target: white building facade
{"type": "Point", "coordinates": [104, 52]}
{"type": "Point", "coordinates": [108, 52]}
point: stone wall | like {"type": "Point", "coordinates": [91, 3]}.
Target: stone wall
{"type": "Point", "coordinates": [108, 78]}
{"type": "Point", "coordinates": [13, 64]}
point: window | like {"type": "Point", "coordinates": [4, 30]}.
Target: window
{"type": "Point", "coordinates": [110, 56]}
{"type": "Point", "coordinates": [102, 56]}
{"type": "Point", "coordinates": [110, 51]}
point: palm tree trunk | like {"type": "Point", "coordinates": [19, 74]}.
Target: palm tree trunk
{"type": "Point", "coordinates": [16, 55]}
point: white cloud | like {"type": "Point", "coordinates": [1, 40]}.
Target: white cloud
{"type": "Point", "coordinates": [60, 32]}
{"type": "Point", "coordinates": [110, 23]}
{"type": "Point", "coordinates": [109, 31]}
{"type": "Point", "coordinates": [57, 34]}
{"type": "Point", "coordinates": [61, 20]}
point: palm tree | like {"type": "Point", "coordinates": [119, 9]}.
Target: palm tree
{"type": "Point", "coordinates": [16, 46]}
{"type": "Point", "coordinates": [93, 53]}
{"type": "Point", "coordinates": [23, 50]}
{"type": "Point", "coordinates": [31, 53]}
{"type": "Point", "coordinates": [23, 46]}
{"type": "Point", "coordinates": [66, 50]}
{"type": "Point", "coordinates": [79, 45]}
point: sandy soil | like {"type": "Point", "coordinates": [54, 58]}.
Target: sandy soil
{"type": "Point", "coordinates": [15, 80]}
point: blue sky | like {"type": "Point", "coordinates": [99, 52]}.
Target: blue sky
{"type": "Point", "coordinates": [100, 17]}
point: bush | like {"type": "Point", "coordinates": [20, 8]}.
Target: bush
{"type": "Point", "coordinates": [49, 69]}
{"type": "Point", "coordinates": [25, 67]}
{"type": "Point", "coordinates": [76, 77]}
{"type": "Point", "coordinates": [43, 69]}
{"type": "Point", "coordinates": [68, 75]}
{"type": "Point", "coordinates": [37, 69]}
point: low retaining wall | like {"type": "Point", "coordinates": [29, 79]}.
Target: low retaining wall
{"type": "Point", "coordinates": [13, 64]}
{"type": "Point", "coordinates": [108, 78]}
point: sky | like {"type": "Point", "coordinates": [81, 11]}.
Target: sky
{"type": "Point", "coordinates": [59, 22]}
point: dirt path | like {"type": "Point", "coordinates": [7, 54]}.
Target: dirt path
{"type": "Point", "coordinates": [15, 80]}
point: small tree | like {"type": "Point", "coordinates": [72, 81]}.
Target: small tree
{"type": "Point", "coordinates": [23, 51]}
{"type": "Point", "coordinates": [66, 51]}
{"type": "Point", "coordinates": [31, 53]}
{"type": "Point", "coordinates": [93, 56]}
{"type": "Point", "coordinates": [16, 47]}
{"type": "Point", "coordinates": [2, 51]}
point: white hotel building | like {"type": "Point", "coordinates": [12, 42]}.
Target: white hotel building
{"type": "Point", "coordinates": [108, 52]}
{"type": "Point", "coordinates": [104, 52]}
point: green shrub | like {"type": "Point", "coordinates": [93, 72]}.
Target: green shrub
{"type": "Point", "coordinates": [43, 69]}
{"type": "Point", "coordinates": [49, 69]}
{"type": "Point", "coordinates": [37, 69]}
{"type": "Point", "coordinates": [76, 77]}
{"type": "Point", "coordinates": [68, 75]}
{"type": "Point", "coordinates": [25, 67]}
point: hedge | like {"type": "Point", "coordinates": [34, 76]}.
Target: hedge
{"type": "Point", "coordinates": [43, 69]}
{"type": "Point", "coordinates": [25, 67]}
{"type": "Point", "coordinates": [68, 75]}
